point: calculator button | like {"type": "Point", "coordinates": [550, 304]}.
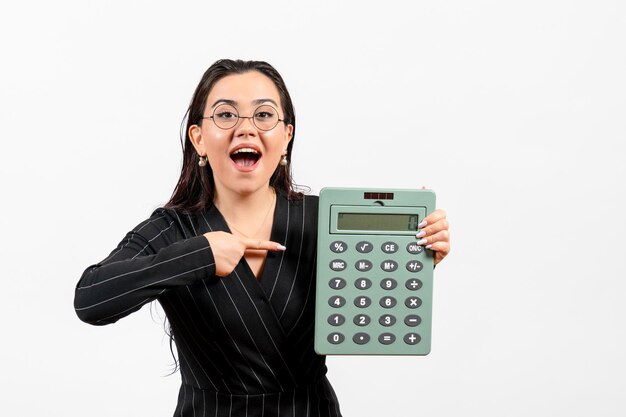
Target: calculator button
{"type": "Point", "coordinates": [389, 247]}
{"type": "Point", "coordinates": [413, 302]}
{"type": "Point", "coordinates": [338, 265]}
{"type": "Point", "coordinates": [414, 248]}
{"type": "Point", "coordinates": [337, 283]}
{"type": "Point", "coordinates": [387, 320]}
{"type": "Point", "coordinates": [362, 302]}
{"type": "Point", "coordinates": [363, 265]}
{"type": "Point", "coordinates": [388, 284]}
{"type": "Point", "coordinates": [387, 338]}
{"type": "Point", "coordinates": [414, 266]}
{"type": "Point", "coordinates": [412, 338]}
{"type": "Point", "coordinates": [389, 266]}
{"type": "Point", "coordinates": [362, 320]}
{"type": "Point", "coordinates": [361, 338]}
{"type": "Point", "coordinates": [412, 320]}
{"type": "Point", "coordinates": [387, 302]}
{"type": "Point", "coordinates": [336, 320]}
{"type": "Point", "coordinates": [338, 246]}
{"type": "Point", "coordinates": [362, 283]}
{"type": "Point", "coordinates": [335, 338]}
{"type": "Point", "coordinates": [336, 301]}
{"type": "Point", "coordinates": [364, 247]}
{"type": "Point", "coordinates": [414, 284]}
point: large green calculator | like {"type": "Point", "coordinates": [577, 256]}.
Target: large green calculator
{"type": "Point", "coordinates": [374, 283]}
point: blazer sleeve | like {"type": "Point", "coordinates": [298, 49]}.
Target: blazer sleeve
{"type": "Point", "coordinates": [152, 259]}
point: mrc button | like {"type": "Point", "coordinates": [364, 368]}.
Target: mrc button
{"type": "Point", "coordinates": [337, 265]}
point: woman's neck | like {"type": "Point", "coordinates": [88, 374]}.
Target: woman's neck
{"type": "Point", "coordinates": [245, 212]}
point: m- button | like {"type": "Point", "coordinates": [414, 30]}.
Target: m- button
{"type": "Point", "coordinates": [389, 247]}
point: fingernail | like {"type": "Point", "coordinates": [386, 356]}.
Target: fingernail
{"type": "Point", "coordinates": [281, 247]}
{"type": "Point", "coordinates": [428, 246]}
{"type": "Point", "coordinates": [420, 234]}
{"type": "Point", "coordinates": [421, 242]}
{"type": "Point", "coordinates": [422, 224]}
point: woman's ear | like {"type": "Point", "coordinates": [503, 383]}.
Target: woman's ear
{"type": "Point", "coordinates": [195, 135]}
{"type": "Point", "coordinates": [288, 135]}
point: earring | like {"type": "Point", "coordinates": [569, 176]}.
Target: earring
{"type": "Point", "coordinates": [202, 161]}
{"type": "Point", "coordinates": [283, 160]}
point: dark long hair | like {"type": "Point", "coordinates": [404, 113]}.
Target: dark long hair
{"type": "Point", "coordinates": [196, 187]}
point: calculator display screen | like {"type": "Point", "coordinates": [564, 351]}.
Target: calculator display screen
{"type": "Point", "coordinates": [377, 221]}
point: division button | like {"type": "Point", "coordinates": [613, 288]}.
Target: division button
{"type": "Point", "coordinates": [338, 246]}
{"type": "Point", "coordinates": [361, 338]}
{"type": "Point", "coordinates": [388, 265]}
{"type": "Point", "coordinates": [387, 320]}
{"type": "Point", "coordinates": [413, 302]}
{"type": "Point", "coordinates": [414, 248]}
{"type": "Point", "coordinates": [364, 247]}
{"type": "Point", "coordinates": [362, 320]}
{"type": "Point", "coordinates": [414, 266]}
{"type": "Point", "coordinates": [412, 338]}
{"type": "Point", "coordinates": [389, 247]}
{"type": "Point", "coordinates": [362, 283]}
{"type": "Point", "coordinates": [337, 283]}
{"type": "Point", "coordinates": [363, 265]}
{"type": "Point", "coordinates": [338, 265]}
{"type": "Point", "coordinates": [362, 302]}
{"type": "Point", "coordinates": [336, 338]}
{"type": "Point", "coordinates": [414, 284]}
{"type": "Point", "coordinates": [388, 284]}
{"type": "Point", "coordinates": [412, 320]}
{"type": "Point", "coordinates": [336, 301]}
{"type": "Point", "coordinates": [387, 338]}
{"type": "Point", "coordinates": [336, 320]}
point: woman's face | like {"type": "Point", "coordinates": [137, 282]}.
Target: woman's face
{"type": "Point", "coordinates": [242, 157]}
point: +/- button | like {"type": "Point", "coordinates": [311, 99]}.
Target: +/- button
{"type": "Point", "coordinates": [414, 266]}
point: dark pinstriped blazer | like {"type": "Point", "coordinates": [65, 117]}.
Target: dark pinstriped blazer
{"type": "Point", "coordinates": [245, 345]}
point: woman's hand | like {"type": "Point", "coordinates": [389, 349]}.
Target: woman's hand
{"type": "Point", "coordinates": [228, 249]}
{"type": "Point", "coordinates": [434, 234]}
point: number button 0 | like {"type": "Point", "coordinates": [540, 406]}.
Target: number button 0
{"type": "Point", "coordinates": [336, 338]}
{"type": "Point", "coordinates": [338, 246]}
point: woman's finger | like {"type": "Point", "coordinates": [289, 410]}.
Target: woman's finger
{"type": "Point", "coordinates": [442, 236]}
{"type": "Point", "coordinates": [258, 244]}
{"type": "Point", "coordinates": [433, 217]}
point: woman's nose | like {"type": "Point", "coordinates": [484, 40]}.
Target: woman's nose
{"type": "Point", "coordinates": [245, 126]}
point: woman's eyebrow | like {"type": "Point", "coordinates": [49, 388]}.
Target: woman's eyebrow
{"type": "Point", "coordinates": [233, 103]}
{"type": "Point", "coordinates": [264, 100]}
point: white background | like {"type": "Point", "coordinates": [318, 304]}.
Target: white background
{"type": "Point", "coordinates": [512, 111]}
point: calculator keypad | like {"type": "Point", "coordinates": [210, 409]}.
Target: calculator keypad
{"type": "Point", "coordinates": [394, 306]}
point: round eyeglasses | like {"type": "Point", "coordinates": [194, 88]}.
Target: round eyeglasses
{"type": "Point", "coordinates": [225, 116]}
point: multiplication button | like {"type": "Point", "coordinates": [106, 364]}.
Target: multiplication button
{"type": "Point", "coordinates": [361, 338]}
{"type": "Point", "coordinates": [413, 302]}
{"type": "Point", "coordinates": [387, 338]}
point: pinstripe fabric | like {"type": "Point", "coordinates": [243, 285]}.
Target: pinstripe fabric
{"type": "Point", "coordinates": [245, 345]}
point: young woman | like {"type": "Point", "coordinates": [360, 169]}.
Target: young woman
{"type": "Point", "coordinates": [231, 257]}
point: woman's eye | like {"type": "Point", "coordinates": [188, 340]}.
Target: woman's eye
{"type": "Point", "coordinates": [226, 115]}
{"type": "Point", "coordinates": [263, 115]}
